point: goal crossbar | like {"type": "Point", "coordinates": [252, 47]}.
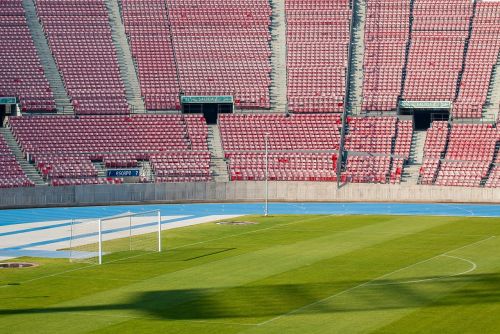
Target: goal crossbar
{"type": "Point", "coordinates": [92, 239]}
{"type": "Point", "coordinates": [102, 220]}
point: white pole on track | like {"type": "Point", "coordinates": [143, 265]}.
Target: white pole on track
{"type": "Point", "coordinates": [266, 207]}
{"type": "Point", "coordinates": [71, 240]}
{"type": "Point", "coordinates": [100, 241]}
{"type": "Point", "coordinates": [159, 231]}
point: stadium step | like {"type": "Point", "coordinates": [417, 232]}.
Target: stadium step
{"type": "Point", "coordinates": [146, 170]}
{"type": "Point", "coordinates": [357, 56]}
{"type": "Point", "coordinates": [125, 61]}
{"type": "Point", "coordinates": [417, 147]}
{"type": "Point", "coordinates": [101, 169]}
{"type": "Point", "coordinates": [411, 174]}
{"type": "Point", "coordinates": [218, 165]}
{"type": "Point", "coordinates": [279, 75]}
{"type": "Point", "coordinates": [491, 107]}
{"type": "Point", "coordinates": [62, 100]}
{"type": "Point", "coordinates": [28, 168]}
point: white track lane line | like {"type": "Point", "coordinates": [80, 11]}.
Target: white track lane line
{"type": "Point", "coordinates": [178, 247]}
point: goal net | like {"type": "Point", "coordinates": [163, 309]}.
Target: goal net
{"type": "Point", "coordinates": [114, 238]}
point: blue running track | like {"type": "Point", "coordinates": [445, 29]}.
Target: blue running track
{"type": "Point", "coordinates": [23, 216]}
{"type": "Point", "coordinates": [62, 217]}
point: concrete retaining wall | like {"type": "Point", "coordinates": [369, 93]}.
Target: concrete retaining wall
{"type": "Point", "coordinates": [238, 192]}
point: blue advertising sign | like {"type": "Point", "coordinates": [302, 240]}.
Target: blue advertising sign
{"type": "Point", "coordinates": [123, 173]}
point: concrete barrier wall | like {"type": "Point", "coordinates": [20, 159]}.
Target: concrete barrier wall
{"type": "Point", "coordinates": [239, 192]}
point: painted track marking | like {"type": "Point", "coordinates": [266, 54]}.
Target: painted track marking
{"type": "Point", "coordinates": [174, 248]}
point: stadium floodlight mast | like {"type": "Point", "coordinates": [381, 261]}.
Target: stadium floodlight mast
{"type": "Point", "coordinates": [266, 206]}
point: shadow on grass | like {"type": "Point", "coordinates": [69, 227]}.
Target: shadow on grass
{"type": "Point", "coordinates": [275, 300]}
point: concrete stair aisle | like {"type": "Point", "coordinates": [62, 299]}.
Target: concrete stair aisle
{"type": "Point", "coordinates": [101, 169]}
{"type": "Point", "coordinates": [218, 165]}
{"type": "Point", "coordinates": [417, 146]}
{"type": "Point", "coordinates": [147, 170]}
{"type": "Point", "coordinates": [411, 174]}
{"type": "Point", "coordinates": [279, 75]}
{"type": "Point", "coordinates": [28, 168]}
{"type": "Point", "coordinates": [63, 102]}
{"type": "Point", "coordinates": [490, 110]}
{"type": "Point", "coordinates": [357, 57]}
{"type": "Point", "coordinates": [125, 61]}
{"type": "Point", "coordinates": [412, 170]}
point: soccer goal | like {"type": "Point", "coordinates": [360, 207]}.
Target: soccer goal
{"type": "Point", "coordinates": [115, 238]}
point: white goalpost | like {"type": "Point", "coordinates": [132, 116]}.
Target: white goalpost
{"type": "Point", "coordinates": [113, 238]}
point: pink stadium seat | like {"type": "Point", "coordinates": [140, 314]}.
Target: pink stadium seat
{"type": "Point", "coordinates": [482, 53]}
{"type": "Point", "coordinates": [64, 147]}
{"type": "Point", "coordinates": [301, 146]}
{"type": "Point", "coordinates": [440, 30]}
{"type": "Point", "coordinates": [367, 169]}
{"type": "Point", "coordinates": [79, 36]}
{"type": "Point", "coordinates": [21, 72]}
{"type": "Point", "coordinates": [403, 138]}
{"type": "Point", "coordinates": [462, 156]}
{"type": "Point", "coordinates": [283, 166]}
{"type": "Point", "coordinates": [183, 166]}
{"type": "Point", "coordinates": [298, 132]}
{"type": "Point", "coordinates": [423, 50]}
{"type": "Point", "coordinates": [147, 26]}
{"type": "Point", "coordinates": [201, 48]}
{"type": "Point", "coordinates": [494, 179]}
{"type": "Point", "coordinates": [437, 137]}
{"type": "Point", "coordinates": [381, 147]}
{"type": "Point", "coordinates": [386, 36]}
{"type": "Point", "coordinates": [371, 134]}
{"type": "Point", "coordinates": [222, 48]}
{"type": "Point", "coordinates": [11, 173]}
{"type": "Point", "coordinates": [317, 45]}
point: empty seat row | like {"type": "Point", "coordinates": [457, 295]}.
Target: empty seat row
{"type": "Point", "coordinates": [21, 71]}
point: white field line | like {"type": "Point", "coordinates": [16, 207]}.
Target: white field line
{"type": "Point", "coordinates": [472, 268]}
{"type": "Point", "coordinates": [254, 231]}
{"type": "Point", "coordinates": [174, 248]}
{"type": "Point", "coordinates": [473, 265]}
{"type": "Point", "coordinates": [369, 282]}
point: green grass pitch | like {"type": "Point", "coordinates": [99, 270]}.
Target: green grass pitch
{"type": "Point", "coordinates": [286, 274]}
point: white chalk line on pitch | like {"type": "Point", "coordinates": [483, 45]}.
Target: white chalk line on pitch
{"type": "Point", "coordinates": [368, 283]}
{"type": "Point", "coordinates": [174, 248]}
{"type": "Point", "coordinates": [471, 269]}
